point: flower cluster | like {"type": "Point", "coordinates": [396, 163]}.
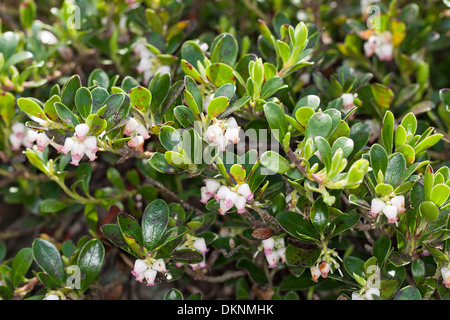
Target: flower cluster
{"type": "Point", "coordinates": [80, 144]}
{"type": "Point", "coordinates": [325, 264]}
{"type": "Point", "coordinates": [228, 198]}
{"type": "Point", "coordinates": [222, 133]}
{"type": "Point", "coordinates": [138, 132]}
{"type": "Point", "coordinates": [148, 64]}
{"type": "Point", "coordinates": [22, 136]}
{"type": "Point", "coordinates": [148, 269]}
{"type": "Point", "coordinates": [274, 250]}
{"type": "Point", "coordinates": [391, 207]}
{"type": "Point", "coordinates": [381, 45]}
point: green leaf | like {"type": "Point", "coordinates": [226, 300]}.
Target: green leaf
{"type": "Point", "coordinates": [305, 257]}
{"type": "Point", "coordinates": [184, 115]}
{"type": "Point", "coordinates": [387, 132]}
{"type": "Point", "coordinates": [96, 124]}
{"type": "Point", "coordinates": [318, 125]}
{"type": "Point", "coordinates": [219, 74]}
{"type": "Point", "coordinates": [320, 215]}
{"type": "Point", "coordinates": [115, 178]}
{"type": "Point", "coordinates": [173, 294]}
{"type": "Point", "coordinates": [343, 143]}
{"type": "Point", "coordinates": [382, 95]}
{"type": "Point", "coordinates": [216, 106]}
{"type": "Point", "coordinates": [49, 260]}
{"type": "Point", "coordinates": [408, 293]}
{"type": "Point", "coordinates": [297, 226]}
{"type": "Point", "coordinates": [275, 162]}
{"type": "Point", "coordinates": [90, 260]}
{"type": "Point", "coordinates": [325, 151]}
{"type": "Point", "coordinates": [440, 194]}
{"type": "Point", "coordinates": [83, 101]}
{"type": "Point", "coordinates": [154, 223]}
{"type": "Point", "coordinates": [255, 272]}
{"type": "Point", "coordinates": [98, 77]}
{"type": "Point", "coordinates": [237, 172]}
{"type": "Point", "coordinates": [276, 118]}
{"type": "Point", "coordinates": [67, 116]}
{"type": "Point", "coordinates": [271, 86]}
{"type": "Point", "coordinates": [225, 49]}
{"type": "Point", "coordinates": [112, 233]}
{"type": "Point", "coordinates": [140, 98]}
{"type": "Point", "coordinates": [69, 91]}
{"type": "Point", "coordinates": [395, 169]}
{"type": "Point", "coordinates": [31, 108]}
{"type": "Point", "coordinates": [192, 53]}
{"type": "Point", "coordinates": [354, 266]}
{"type": "Point", "coordinates": [428, 211]}
{"type": "Point", "coordinates": [378, 159]}
{"type": "Point", "coordinates": [8, 102]}
{"type": "Point", "coordinates": [418, 270]}
{"type": "Point", "coordinates": [20, 265]}
{"type": "Point", "coordinates": [427, 143]}
{"type": "Point", "coordinates": [8, 43]}
{"type": "Point", "coordinates": [382, 249]}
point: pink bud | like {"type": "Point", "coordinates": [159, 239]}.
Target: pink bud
{"type": "Point", "coordinates": [131, 125]}
{"type": "Point", "coordinates": [42, 141]}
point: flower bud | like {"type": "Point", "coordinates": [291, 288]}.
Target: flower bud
{"type": "Point", "coordinates": [18, 129]}
{"type": "Point", "coordinates": [15, 141]}
{"type": "Point", "coordinates": [81, 131]}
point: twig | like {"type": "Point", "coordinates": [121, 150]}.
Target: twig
{"type": "Point", "coordinates": [218, 279]}
{"type": "Point", "coordinates": [297, 163]}
{"type": "Point", "coordinates": [172, 195]}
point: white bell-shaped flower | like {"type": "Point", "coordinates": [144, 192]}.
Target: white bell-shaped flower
{"type": "Point", "coordinates": [272, 259]}
{"type": "Point", "coordinates": [213, 132]}
{"type": "Point", "coordinates": [324, 268]}
{"type": "Point", "coordinates": [221, 193]}
{"type": "Point", "coordinates": [390, 212]}
{"type": "Point", "coordinates": [42, 141]}
{"type": "Point", "coordinates": [68, 145]}
{"type": "Point", "coordinates": [240, 203]}
{"type": "Point", "coordinates": [159, 265]}
{"type": "Point", "coordinates": [212, 185]}
{"type": "Point", "coordinates": [130, 126]}
{"type": "Point", "coordinates": [200, 245]}
{"type": "Point", "coordinates": [223, 207]}
{"type": "Point", "coordinates": [377, 205]}
{"type": "Point", "coordinates": [232, 134]}
{"type": "Point", "coordinates": [244, 190]}
{"type": "Point", "coordinates": [205, 195]}
{"type": "Point", "coordinates": [230, 199]}
{"type": "Point", "coordinates": [268, 245]}
{"type": "Point", "coordinates": [315, 273]}
{"type": "Point", "coordinates": [150, 276]}
{"type": "Point", "coordinates": [399, 202]}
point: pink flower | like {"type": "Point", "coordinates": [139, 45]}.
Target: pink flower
{"type": "Point", "coordinates": [244, 190]}
{"type": "Point", "coordinates": [315, 273]}
{"type": "Point", "coordinates": [324, 268]}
